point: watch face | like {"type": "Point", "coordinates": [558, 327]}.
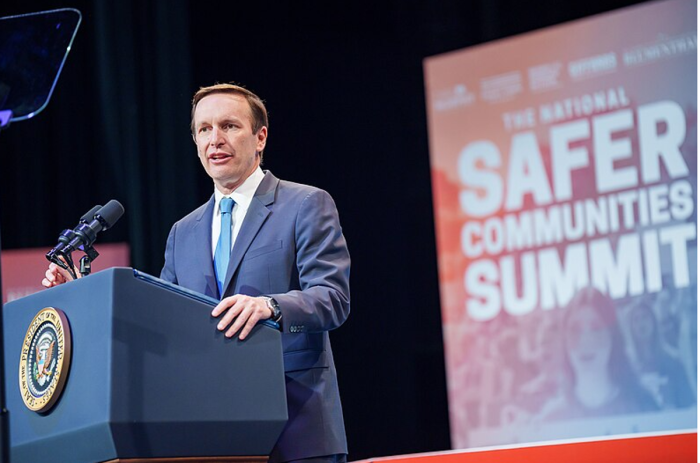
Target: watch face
{"type": "Point", "coordinates": [274, 307]}
{"type": "Point", "coordinates": [276, 312]}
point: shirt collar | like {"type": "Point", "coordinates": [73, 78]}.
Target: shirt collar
{"type": "Point", "coordinates": [242, 195]}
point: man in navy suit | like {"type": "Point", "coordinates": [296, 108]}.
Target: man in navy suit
{"type": "Point", "coordinates": [289, 262]}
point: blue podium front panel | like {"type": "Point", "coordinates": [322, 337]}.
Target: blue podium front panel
{"type": "Point", "coordinates": [150, 376]}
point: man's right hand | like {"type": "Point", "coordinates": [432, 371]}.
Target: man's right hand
{"type": "Point", "coordinates": [56, 275]}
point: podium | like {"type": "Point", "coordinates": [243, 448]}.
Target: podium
{"type": "Point", "coordinates": [150, 377]}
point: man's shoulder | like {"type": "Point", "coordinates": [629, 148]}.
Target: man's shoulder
{"type": "Point", "coordinates": [304, 202]}
{"type": "Point", "coordinates": [298, 188]}
{"type": "Point", "coordinates": [288, 190]}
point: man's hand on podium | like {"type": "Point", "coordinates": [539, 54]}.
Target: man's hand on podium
{"type": "Point", "coordinates": [242, 313]}
{"type": "Point", "coordinates": [55, 276]}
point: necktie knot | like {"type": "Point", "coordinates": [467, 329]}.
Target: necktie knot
{"type": "Point", "coordinates": [226, 205]}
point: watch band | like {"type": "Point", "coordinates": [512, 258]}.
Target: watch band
{"type": "Point", "coordinates": [274, 308]}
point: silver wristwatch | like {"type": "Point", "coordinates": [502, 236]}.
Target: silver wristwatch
{"type": "Point", "coordinates": [274, 308]}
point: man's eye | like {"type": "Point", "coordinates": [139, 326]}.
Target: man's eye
{"type": "Point", "coordinates": [203, 129]}
{"type": "Point", "coordinates": [229, 126]}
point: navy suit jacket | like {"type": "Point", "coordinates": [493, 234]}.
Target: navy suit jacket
{"type": "Point", "coordinates": [290, 247]}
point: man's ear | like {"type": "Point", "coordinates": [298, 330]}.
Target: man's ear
{"type": "Point", "coordinates": [262, 138]}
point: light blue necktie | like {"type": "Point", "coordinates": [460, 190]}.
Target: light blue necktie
{"type": "Point", "coordinates": [223, 247]}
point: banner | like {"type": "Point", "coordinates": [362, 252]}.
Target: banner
{"type": "Point", "coordinates": [564, 169]}
{"type": "Point", "coordinates": [23, 269]}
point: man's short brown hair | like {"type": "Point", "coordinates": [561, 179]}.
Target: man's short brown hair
{"type": "Point", "coordinates": [258, 111]}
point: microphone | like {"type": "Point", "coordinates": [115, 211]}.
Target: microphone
{"type": "Point", "coordinates": [86, 233]}
{"type": "Point", "coordinates": [67, 235]}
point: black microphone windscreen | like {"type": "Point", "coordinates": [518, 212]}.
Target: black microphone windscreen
{"type": "Point", "coordinates": [111, 212]}
{"type": "Point", "coordinates": [87, 217]}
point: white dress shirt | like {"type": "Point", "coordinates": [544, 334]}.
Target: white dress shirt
{"type": "Point", "coordinates": [243, 195]}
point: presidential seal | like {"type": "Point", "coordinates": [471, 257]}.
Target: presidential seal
{"type": "Point", "coordinates": [45, 359]}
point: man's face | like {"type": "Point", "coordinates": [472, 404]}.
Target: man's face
{"type": "Point", "coordinates": [227, 146]}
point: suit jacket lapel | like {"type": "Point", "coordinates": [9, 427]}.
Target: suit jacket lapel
{"type": "Point", "coordinates": [254, 219]}
{"type": "Point", "coordinates": [202, 234]}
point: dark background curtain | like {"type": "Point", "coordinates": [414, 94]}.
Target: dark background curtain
{"type": "Point", "coordinates": [344, 86]}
